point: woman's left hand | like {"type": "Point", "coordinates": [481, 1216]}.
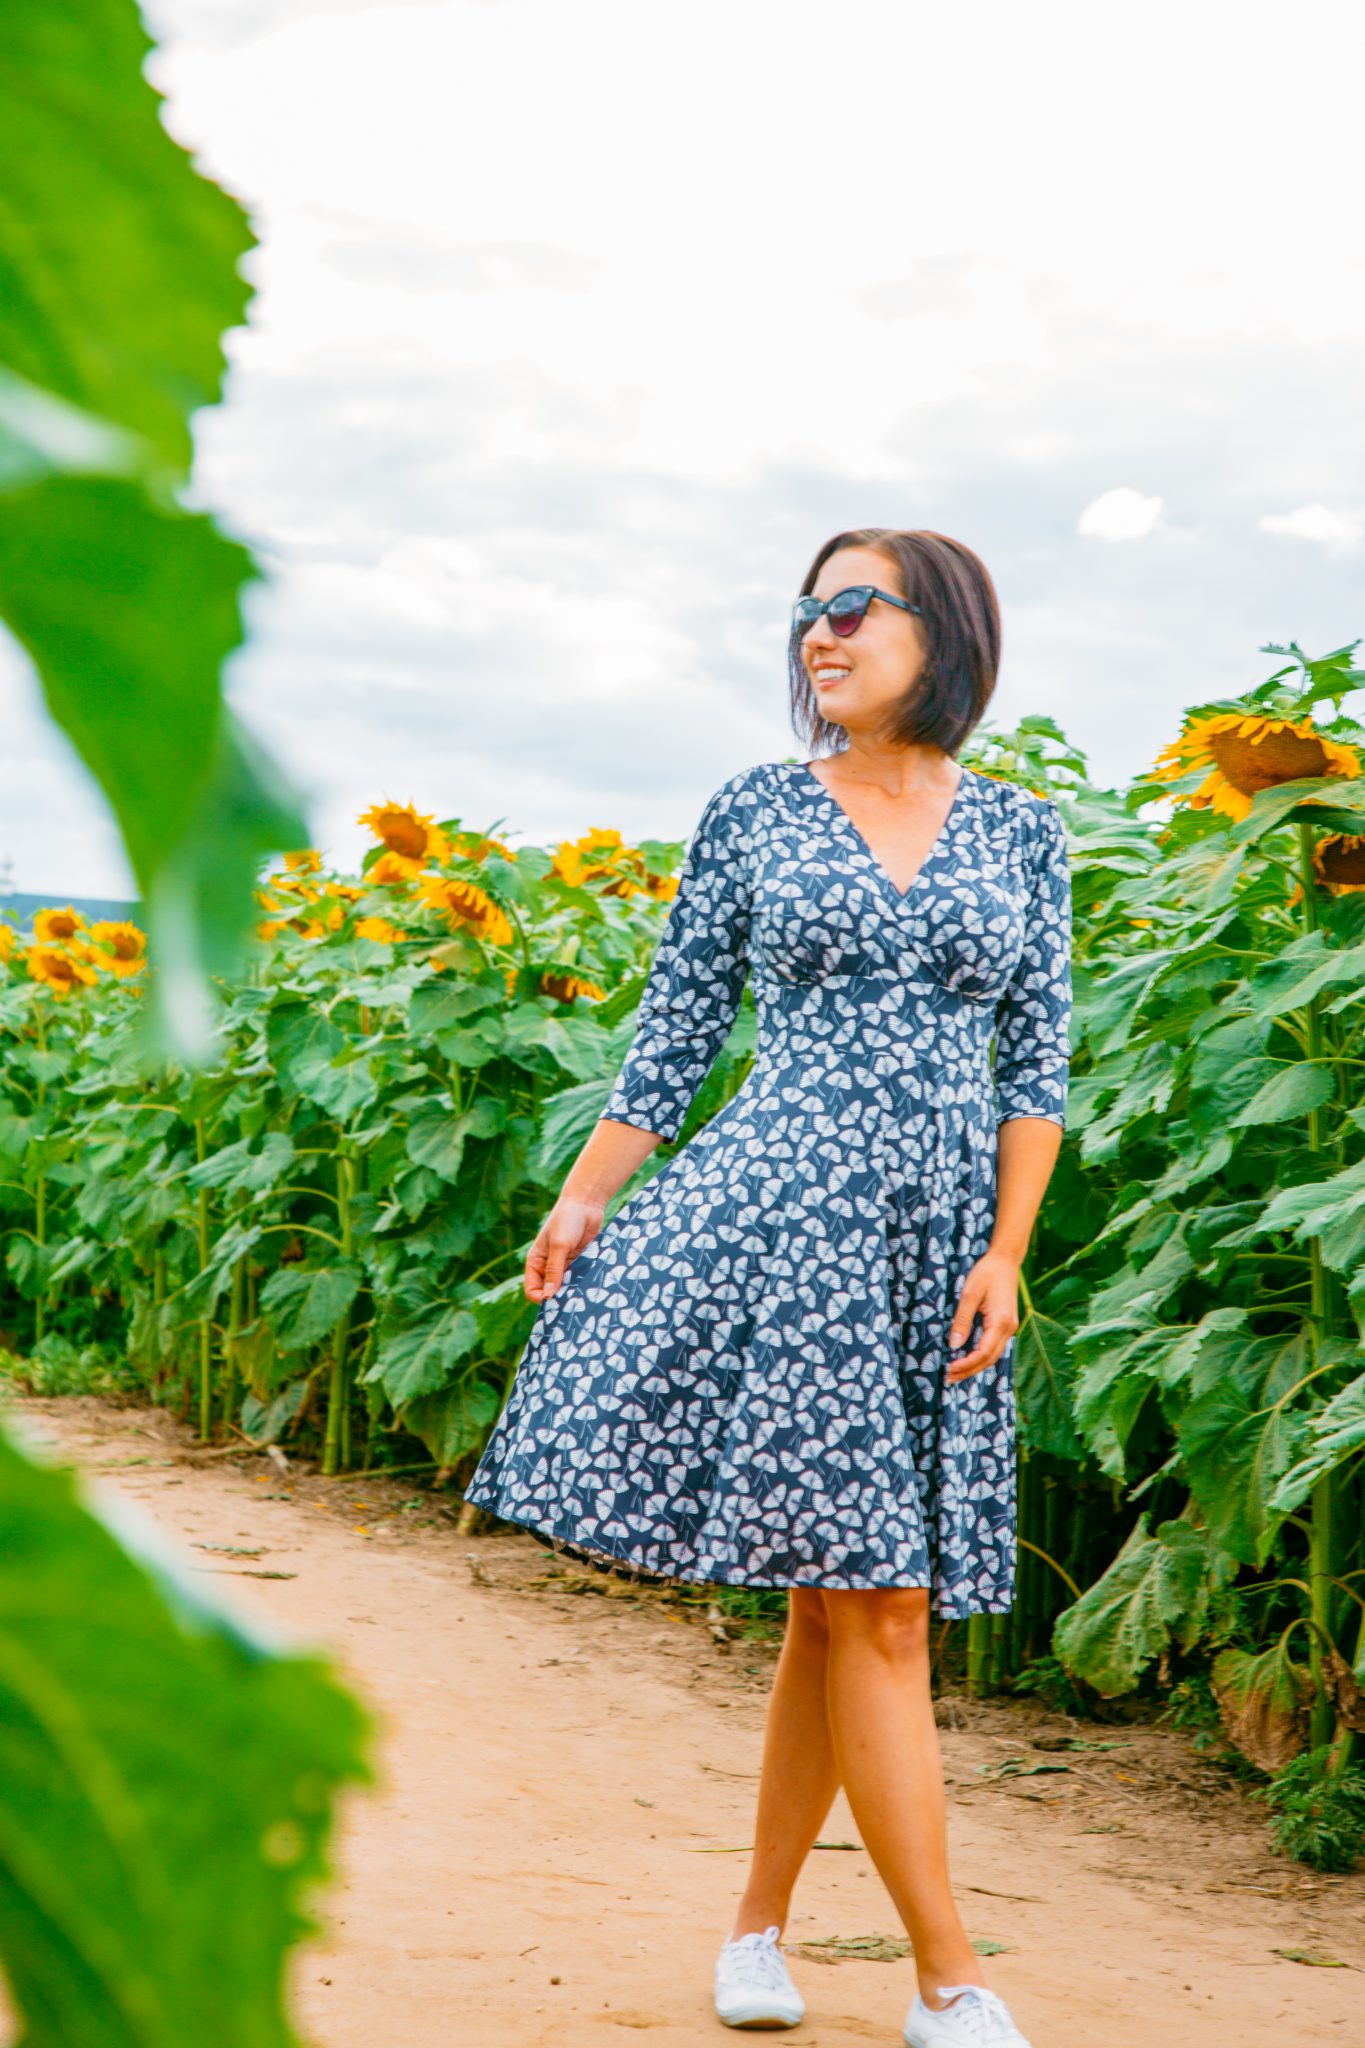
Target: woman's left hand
{"type": "Point", "coordinates": [991, 1290]}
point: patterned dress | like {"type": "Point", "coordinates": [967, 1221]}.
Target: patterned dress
{"type": "Point", "coordinates": [741, 1378]}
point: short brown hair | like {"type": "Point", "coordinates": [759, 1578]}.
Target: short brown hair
{"type": "Point", "coordinates": [960, 617]}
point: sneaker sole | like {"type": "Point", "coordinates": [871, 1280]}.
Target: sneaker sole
{"type": "Point", "coordinates": [758, 2020]}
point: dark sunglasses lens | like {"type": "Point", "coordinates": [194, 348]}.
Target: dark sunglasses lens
{"type": "Point", "coordinates": [847, 612]}
{"type": "Point", "coordinates": [805, 612]}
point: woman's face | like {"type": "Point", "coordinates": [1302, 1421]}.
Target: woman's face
{"type": "Point", "coordinates": [858, 681]}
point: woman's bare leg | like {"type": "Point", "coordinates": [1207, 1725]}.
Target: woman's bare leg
{"type": "Point", "coordinates": [799, 1779]}
{"type": "Point", "coordinates": [886, 1748]}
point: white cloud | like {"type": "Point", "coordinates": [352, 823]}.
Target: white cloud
{"type": "Point", "coordinates": [569, 349]}
{"type": "Point", "coordinates": [1121, 514]}
{"type": "Point", "coordinates": [1338, 532]}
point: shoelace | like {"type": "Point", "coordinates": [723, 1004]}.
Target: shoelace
{"type": "Point", "coordinates": [980, 2012]}
{"type": "Point", "coordinates": [755, 1960]}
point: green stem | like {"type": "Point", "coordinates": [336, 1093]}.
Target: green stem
{"type": "Point", "coordinates": [337, 1444]}
{"type": "Point", "coordinates": [158, 1303]}
{"type": "Point", "coordinates": [979, 1643]}
{"type": "Point", "coordinates": [1349, 1741]}
{"type": "Point", "coordinates": [999, 1657]}
{"type": "Point", "coordinates": [374, 1404]}
{"type": "Point", "coordinates": [234, 1327]}
{"type": "Point", "coordinates": [1323, 1536]}
{"type": "Point", "coordinates": [205, 1324]}
{"type": "Point", "coordinates": [40, 1190]}
{"type": "Point", "coordinates": [1053, 1511]}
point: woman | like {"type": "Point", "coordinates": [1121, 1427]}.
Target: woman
{"type": "Point", "coordinates": [788, 1359]}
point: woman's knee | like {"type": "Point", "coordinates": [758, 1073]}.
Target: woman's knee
{"type": "Point", "coordinates": [807, 1618]}
{"type": "Point", "coordinates": [891, 1619]}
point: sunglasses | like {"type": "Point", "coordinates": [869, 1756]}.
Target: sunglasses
{"type": "Point", "coordinates": [845, 611]}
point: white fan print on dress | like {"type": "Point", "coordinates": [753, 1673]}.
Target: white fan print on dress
{"type": "Point", "coordinates": [769, 1313]}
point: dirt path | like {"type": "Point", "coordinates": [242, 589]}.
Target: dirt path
{"type": "Point", "coordinates": [563, 1774]}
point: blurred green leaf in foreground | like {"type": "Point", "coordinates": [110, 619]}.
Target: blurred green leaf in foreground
{"type": "Point", "coordinates": [166, 1784]}
{"type": "Point", "coordinates": [118, 275]}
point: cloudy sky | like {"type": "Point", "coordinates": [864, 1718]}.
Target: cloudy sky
{"type": "Point", "coordinates": [581, 323]}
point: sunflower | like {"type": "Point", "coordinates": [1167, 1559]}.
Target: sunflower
{"type": "Point", "coordinates": [347, 891]}
{"type": "Point", "coordinates": [306, 927]}
{"type": "Point", "coordinates": [379, 931]}
{"type": "Point", "coordinates": [7, 941]}
{"type": "Point", "coordinates": [306, 862]}
{"type": "Point", "coordinates": [294, 885]}
{"type": "Point", "coordinates": [627, 883]}
{"type": "Point", "coordinates": [662, 887]}
{"type": "Point", "coordinates": [582, 860]}
{"type": "Point", "coordinates": [60, 970]}
{"type": "Point", "coordinates": [466, 904]}
{"type": "Point", "coordinates": [602, 854]}
{"type": "Point", "coordinates": [57, 927]}
{"type": "Point", "coordinates": [391, 871]}
{"type": "Point", "coordinates": [118, 948]}
{"type": "Point", "coordinates": [1245, 753]}
{"type": "Point", "coordinates": [413, 839]}
{"type": "Point", "coordinates": [478, 846]}
{"type": "Point", "coordinates": [564, 986]}
{"type": "Point", "coordinates": [1339, 861]}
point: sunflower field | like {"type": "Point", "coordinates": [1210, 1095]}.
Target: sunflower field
{"type": "Point", "coordinates": [319, 1235]}
{"type": "Point", "coordinates": [321, 1231]}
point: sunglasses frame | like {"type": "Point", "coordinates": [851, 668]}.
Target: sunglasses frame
{"type": "Point", "coordinates": [800, 627]}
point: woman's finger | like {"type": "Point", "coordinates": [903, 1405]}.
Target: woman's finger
{"type": "Point", "coordinates": [998, 1325]}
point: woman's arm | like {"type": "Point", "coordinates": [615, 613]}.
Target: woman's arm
{"type": "Point", "coordinates": [612, 1154]}
{"type": "Point", "coordinates": [1032, 1063]}
{"type": "Point", "coordinates": [697, 976]}
{"type": "Point", "coordinates": [691, 998]}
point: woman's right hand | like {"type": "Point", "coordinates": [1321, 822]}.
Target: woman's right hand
{"type": "Point", "coordinates": [569, 1226]}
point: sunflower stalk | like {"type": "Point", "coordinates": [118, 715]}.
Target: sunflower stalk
{"type": "Point", "coordinates": [40, 1185]}
{"type": "Point", "coordinates": [1325, 1560]}
{"type": "Point", "coordinates": [236, 1300]}
{"type": "Point", "coordinates": [337, 1443]}
{"type": "Point", "coordinates": [201, 1148]}
{"type": "Point", "coordinates": [980, 1646]}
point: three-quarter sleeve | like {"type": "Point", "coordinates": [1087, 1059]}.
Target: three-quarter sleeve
{"type": "Point", "coordinates": [1033, 1017]}
{"type": "Point", "coordinates": [697, 976]}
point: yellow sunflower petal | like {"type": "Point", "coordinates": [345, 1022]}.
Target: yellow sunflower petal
{"type": "Point", "coordinates": [57, 927]}
{"type": "Point", "coordinates": [465, 905]}
{"type": "Point", "coordinates": [392, 871]}
{"type": "Point", "coordinates": [404, 831]}
{"type": "Point", "coordinates": [119, 947]}
{"type": "Point", "coordinates": [60, 970]}
{"type": "Point", "coordinates": [1245, 753]}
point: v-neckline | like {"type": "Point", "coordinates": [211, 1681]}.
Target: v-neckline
{"type": "Point", "coordinates": [896, 895]}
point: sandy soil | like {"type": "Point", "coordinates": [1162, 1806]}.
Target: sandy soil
{"type": "Point", "coordinates": [567, 1777]}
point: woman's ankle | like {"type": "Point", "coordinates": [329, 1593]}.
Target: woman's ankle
{"type": "Point", "coordinates": [757, 1920]}
{"type": "Point", "coordinates": [932, 1975]}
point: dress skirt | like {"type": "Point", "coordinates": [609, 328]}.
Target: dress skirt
{"type": "Point", "coordinates": [741, 1378]}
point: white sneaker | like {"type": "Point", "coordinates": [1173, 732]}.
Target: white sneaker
{"type": "Point", "coordinates": [753, 1988]}
{"type": "Point", "coordinates": [977, 2018]}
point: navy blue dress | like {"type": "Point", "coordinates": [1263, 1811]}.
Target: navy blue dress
{"type": "Point", "coordinates": [741, 1377]}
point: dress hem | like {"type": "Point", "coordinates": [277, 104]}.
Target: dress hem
{"type": "Point", "coordinates": [617, 1565]}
